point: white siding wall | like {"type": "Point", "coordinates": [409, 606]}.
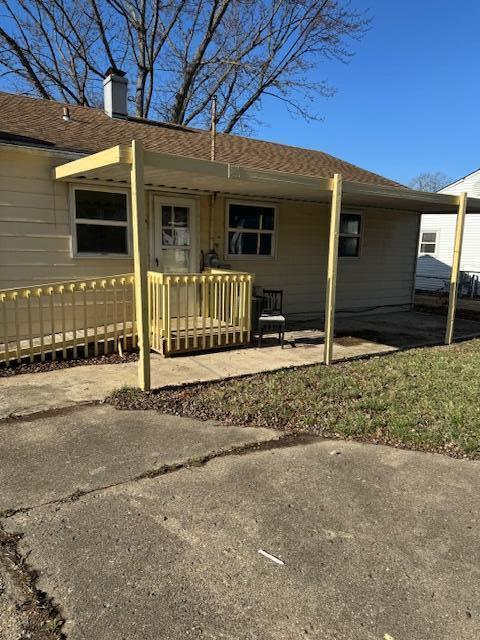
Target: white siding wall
{"type": "Point", "coordinates": [470, 184]}
{"type": "Point", "coordinates": [433, 271]}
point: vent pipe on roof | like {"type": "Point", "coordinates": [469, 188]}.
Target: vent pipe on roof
{"type": "Point", "coordinates": [213, 126]}
{"type": "Point", "coordinates": [115, 93]}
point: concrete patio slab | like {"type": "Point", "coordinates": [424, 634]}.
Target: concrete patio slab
{"type": "Point", "coordinates": [35, 392]}
{"type": "Point", "coordinates": [357, 336]}
{"type": "Point", "coordinates": [376, 542]}
{"type": "Point", "coordinates": [91, 447]}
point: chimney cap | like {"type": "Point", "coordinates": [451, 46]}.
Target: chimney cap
{"type": "Point", "coordinates": [113, 71]}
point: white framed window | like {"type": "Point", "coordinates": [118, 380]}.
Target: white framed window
{"type": "Point", "coordinates": [101, 217]}
{"type": "Point", "coordinates": [250, 229]}
{"type": "Point", "coordinates": [428, 242]}
{"type": "Point", "coordinates": [350, 235]}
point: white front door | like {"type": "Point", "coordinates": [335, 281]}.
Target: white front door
{"type": "Point", "coordinates": [174, 235]}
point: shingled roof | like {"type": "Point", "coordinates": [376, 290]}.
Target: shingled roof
{"type": "Point", "coordinates": [35, 122]}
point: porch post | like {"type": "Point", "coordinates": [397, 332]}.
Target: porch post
{"type": "Point", "coordinates": [332, 267]}
{"type": "Point", "coordinates": [457, 255]}
{"type": "Point", "coordinates": [139, 228]}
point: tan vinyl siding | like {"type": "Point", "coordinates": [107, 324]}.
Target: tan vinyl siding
{"type": "Point", "coordinates": [381, 277]}
{"type": "Point", "coordinates": [35, 226]}
{"type": "Point", "coordinates": [35, 244]}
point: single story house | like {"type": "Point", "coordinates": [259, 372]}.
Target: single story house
{"type": "Point", "coordinates": [93, 199]}
{"type": "Point", "coordinates": [435, 251]}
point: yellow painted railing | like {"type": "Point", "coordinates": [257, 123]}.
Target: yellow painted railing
{"type": "Point", "coordinates": [187, 312]}
{"type": "Point", "coordinates": [64, 317]}
{"type": "Point", "coordinates": [199, 311]}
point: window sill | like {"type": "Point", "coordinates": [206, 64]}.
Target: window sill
{"type": "Point", "coordinates": [106, 256]}
{"type": "Point", "coordinates": [244, 257]}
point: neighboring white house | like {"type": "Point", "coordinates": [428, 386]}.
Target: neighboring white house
{"type": "Point", "coordinates": [436, 243]}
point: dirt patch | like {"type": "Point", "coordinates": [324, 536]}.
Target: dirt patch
{"type": "Point", "coordinates": [26, 612]}
{"type": "Point", "coordinates": [349, 341]}
{"type": "Point", "coordinates": [437, 304]}
{"type": "Point", "coordinates": [37, 366]}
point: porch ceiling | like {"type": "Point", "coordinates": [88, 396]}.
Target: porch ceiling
{"type": "Point", "coordinates": [167, 171]}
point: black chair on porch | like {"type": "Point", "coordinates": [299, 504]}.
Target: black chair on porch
{"type": "Point", "coordinates": [272, 319]}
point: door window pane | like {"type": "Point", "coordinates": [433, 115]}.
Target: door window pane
{"type": "Point", "coordinates": [180, 216]}
{"type": "Point", "coordinates": [176, 237]}
{"type": "Point", "coordinates": [175, 227]}
{"type": "Point", "coordinates": [182, 237]}
{"type": "Point", "coordinates": [167, 236]}
{"type": "Point", "coordinates": [173, 254]}
{"type": "Point", "coordinates": [166, 215]}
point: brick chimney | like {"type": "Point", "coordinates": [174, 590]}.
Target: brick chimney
{"type": "Point", "coordinates": [115, 87]}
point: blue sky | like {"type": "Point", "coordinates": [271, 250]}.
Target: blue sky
{"type": "Point", "coordinates": [408, 101]}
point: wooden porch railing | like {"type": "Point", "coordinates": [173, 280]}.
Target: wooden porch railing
{"type": "Point", "coordinates": [187, 312]}
{"type": "Point", "coordinates": [64, 317]}
{"type": "Point", "coordinates": [199, 311]}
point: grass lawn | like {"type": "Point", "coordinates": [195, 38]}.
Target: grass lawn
{"type": "Point", "coordinates": [422, 399]}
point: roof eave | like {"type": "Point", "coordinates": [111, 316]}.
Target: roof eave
{"type": "Point", "coordinates": [174, 171]}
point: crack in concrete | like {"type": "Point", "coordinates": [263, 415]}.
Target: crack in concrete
{"type": "Point", "coordinates": [48, 413]}
{"type": "Point", "coordinates": [44, 619]}
{"type": "Point", "coordinates": [283, 441]}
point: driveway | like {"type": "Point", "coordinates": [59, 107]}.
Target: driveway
{"type": "Point", "coordinates": [132, 541]}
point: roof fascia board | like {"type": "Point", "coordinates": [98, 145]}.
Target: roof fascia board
{"type": "Point", "coordinates": [53, 153]}
{"type": "Point", "coordinates": [473, 202]}
{"type": "Point", "coordinates": [184, 164]}
{"type": "Point", "coordinates": [360, 188]}
{"type": "Point", "coordinates": [231, 171]}
{"type": "Point", "coordinates": [121, 154]}
{"type": "Point", "coordinates": [261, 175]}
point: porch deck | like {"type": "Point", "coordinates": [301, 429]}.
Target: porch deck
{"type": "Point", "coordinates": [355, 336]}
{"type": "Point", "coordinates": [187, 335]}
{"type": "Point", "coordinates": [186, 312]}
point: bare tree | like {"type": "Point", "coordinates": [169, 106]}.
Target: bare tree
{"type": "Point", "coordinates": [179, 53]}
{"type": "Point", "coordinates": [430, 181]}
